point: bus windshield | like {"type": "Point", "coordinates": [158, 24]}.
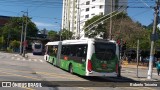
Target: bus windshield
{"type": "Point", "coordinates": [105, 51]}
{"type": "Point", "coordinates": [37, 46]}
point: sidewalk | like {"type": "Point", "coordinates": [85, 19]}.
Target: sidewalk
{"type": "Point", "coordinates": [134, 65]}
{"type": "Point", "coordinates": [130, 71]}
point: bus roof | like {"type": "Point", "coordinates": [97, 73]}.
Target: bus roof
{"type": "Point", "coordinates": [80, 41]}
{"type": "Point", "coordinates": [53, 43]}
{"type": "Point", "coordinates": [85, 41]}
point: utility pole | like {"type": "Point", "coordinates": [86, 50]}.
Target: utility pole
{"type": "Point", "coordinates": [78, 24]}
{"type": "Point", "coordinates": [24, 48]}
{"type": "Point", "coordinates": [137, 55]}
{"type": "Point", "coordinates": [153, 40]}
{"type": "Point", "coordinates": [60, 32]}
{"type": "Point", "coordinates": [110, 30]}
{"type": "Point", "coordinates": [21, 43]}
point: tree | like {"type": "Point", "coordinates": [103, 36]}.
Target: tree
{"type": "Point", "coordinates": [12, 30]}
{"type": "Point", "coordinates": [15, 44]}
{"type": "Point", "coordinates": [53, 36]}
{"type": "Point", "coordinates": [66, 34]}
{"type": "Point", "coordinates": [100, 28]}
{"type": "Point", "coordinates": [1, 42]}
{"type": "Point", "coordinates": [122, 28]}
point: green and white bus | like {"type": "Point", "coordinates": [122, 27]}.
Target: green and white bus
{"type": "Point", "coordinates": [86, 57]}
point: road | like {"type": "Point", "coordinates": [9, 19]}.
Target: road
{"type": "Point", "coordinates": [13, 67]}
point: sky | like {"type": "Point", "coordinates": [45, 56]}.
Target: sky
{"type": "Point", "coordinates": [48, 13]}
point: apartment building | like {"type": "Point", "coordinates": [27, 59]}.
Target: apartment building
{"type": "Point", "coordinates": [76, 12]}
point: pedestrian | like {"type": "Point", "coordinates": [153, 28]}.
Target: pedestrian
{"type": "Point", "coordinates": [142, 61]}
{"type": "Point", "coordinates": [129, 59]}
{"type": "Point", "coordinates": [158, 66]}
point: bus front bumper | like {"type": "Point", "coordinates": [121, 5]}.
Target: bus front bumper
{"type": "Point", "coordinates": [112, 74]}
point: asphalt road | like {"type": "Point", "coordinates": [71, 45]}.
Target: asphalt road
{"type": "Point", "coordinates": [13, 67]}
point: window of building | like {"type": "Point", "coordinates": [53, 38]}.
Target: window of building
{"type": "Point", "coordinates": [93, 14]}
{"type": "Point", "coordinates": [93, 0]}
{"type": "Point", "coordinates": [87, 16]}
{"type": "Point", "coordinates": [101, 13]}
{"type": "Point", "coordinates": [87, 9]}
{"type": "Point", "coordinates": [93, 7]}
{"type": "Point", "coordinates": [101, 6]}
{"type": "Point", "coordinates": [88, 2]}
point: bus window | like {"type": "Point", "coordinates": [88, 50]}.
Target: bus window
{"type": "Point", "coordinates": [65, 50]}
{"type": "Point", "coordinates": [55, 50]}
{"type": "Point", "coordinates": [105, 51]}
{"type": "Point", "coordinates": [37, 46]}
{"type": "Point", "coordinates": [81, 51]}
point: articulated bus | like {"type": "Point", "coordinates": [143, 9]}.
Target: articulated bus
{"type": "Point", "coordinates": [86, 57]}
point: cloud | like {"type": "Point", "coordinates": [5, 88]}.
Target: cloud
{"type": "Point", "coordinates": [42, 24]}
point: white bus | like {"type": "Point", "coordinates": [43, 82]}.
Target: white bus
{"type": "Point", "coordinates": [86, 57]}
{"type": "Point", "coordinates": [37, 48]}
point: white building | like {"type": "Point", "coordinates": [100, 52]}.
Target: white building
{"type": "Point", "coordinates": [86, 9]}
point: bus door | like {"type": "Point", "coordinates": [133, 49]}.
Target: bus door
{"type": "Point", "coordinates": [46, 56]}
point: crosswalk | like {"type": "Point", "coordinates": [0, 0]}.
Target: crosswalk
{"type": "Point", "coordinates": [27, 59]}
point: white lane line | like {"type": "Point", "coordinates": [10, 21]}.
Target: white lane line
{"type": "Point", "coordinates": [41, 60]}
{"type": "Point", "coordinates": [24, 59]}
{"type": "Point", "coordinates": [18, 59]}
{"type": "Point", "coordinates": [15, 55]}
{"type": "Point", "coordinates": [129, 71]}
{"type": "Point", "coordinates": [12, 57]}
{"type": "Point", "coordinates": [155, 73]}
{"type": "Point", "coordinates": [35, 60]}
{"type": "Point", "coordinates": [29, 59]}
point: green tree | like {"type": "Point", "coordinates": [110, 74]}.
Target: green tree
{"type": "Point", "coordinates": [122, 28]}
{"type": "Point", "coordinates": [53, 35]}
{"type": "Point", "coordinates": [14, 44]}
{"type": "Point", "coordinates": [100, 28]}
{"type": "Point", "coordinates": [66, 34]}
{"type": "Point", "coordinates": [12, 30]}
{"type": "Point", "coordinates": [1, 42]}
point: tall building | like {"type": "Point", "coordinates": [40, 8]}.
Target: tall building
{"type": "Point", "coordinates": [79, 11]}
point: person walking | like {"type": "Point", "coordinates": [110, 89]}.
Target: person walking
{"type": "Point", "coordinates": [158, 66]}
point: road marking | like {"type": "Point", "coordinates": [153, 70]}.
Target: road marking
{"type": "Point", "coordinates": [20, 75]}
{"type": "Point", "coordinates": [41, 60]}
{"type": "Point", "coordinates": [14, 70]}
{"type": "Point", "coordinates": [43, 73]}
{"type": "Point", "coordinates": [35, 60]}
{"type": "Point", "coordinates": [155, 73]}
{"type": "Point", "coordinates": [129, 71]}
{"type": "Point", "coordinates": [29, 59]}
{"type": "Point", "coordinates": [59, 75]}
{"type": "Point", "coordinates": [85, 88]}
{"type": "Point", "coordinates": [24, 59]}
{"type": "Point", "coordinates": [27, 88]}
{"type": "Point", "coordinates": [12, 57]}
{"type": "Point", "coordinates": [18, 59]}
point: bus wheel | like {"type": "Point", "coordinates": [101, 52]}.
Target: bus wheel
{"type": "Point", "coordinates": [53, 62]}
{"type": "Point", "coordinates": [71, 68]}
{"type": "Point", "coordinates": [119, 72]}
